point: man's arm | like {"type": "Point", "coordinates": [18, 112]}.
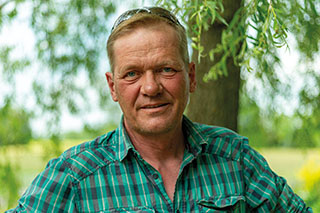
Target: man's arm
{"type": "Point", "coordinates": [50, 191]}
{"type": "Point", "coordinates": [266, 191]}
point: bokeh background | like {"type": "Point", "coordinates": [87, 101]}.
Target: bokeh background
{"type": "Point", "coordinates": [258, 67]}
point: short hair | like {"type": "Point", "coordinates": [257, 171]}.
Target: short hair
{"type": "Point", "coordinates": [146, 19]}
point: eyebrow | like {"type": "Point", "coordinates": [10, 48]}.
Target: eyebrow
{"type": "Point", "coordinates": [175, 64]}
{"type": "Point", "coordinates": [126, 68]}
{"type": "Point", "coordinates": [156, 66]}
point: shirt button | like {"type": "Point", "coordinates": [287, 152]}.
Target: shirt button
{"type": "Point", "coordinates": [155, 176]}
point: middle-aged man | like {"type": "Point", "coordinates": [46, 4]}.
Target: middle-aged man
{"type": "Point", "coordinates": [157, 160]}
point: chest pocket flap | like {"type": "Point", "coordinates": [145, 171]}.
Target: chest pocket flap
{"type": "Point", "coordinates": [232, 203]}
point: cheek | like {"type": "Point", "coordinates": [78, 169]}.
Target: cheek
{"type": "Point", "coordinates": [127, 92]}
{"type": "Point", "coordinates": [178, 88]}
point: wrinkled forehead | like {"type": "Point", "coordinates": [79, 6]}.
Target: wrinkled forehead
{"type": "Point", "coordinates": [158, 31]}
{"type": "Point", "coordinates": [147, 44]}
{"type": "Point", "coordinates": [146, 20]}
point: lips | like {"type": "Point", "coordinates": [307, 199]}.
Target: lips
{"type": "Point", "coordinates": [153, 106]}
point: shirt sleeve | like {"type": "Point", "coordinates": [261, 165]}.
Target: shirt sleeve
{"type": "Point", "coordinates": [50, 191]}
{"type": "Point", "coordinates": [266, 191]}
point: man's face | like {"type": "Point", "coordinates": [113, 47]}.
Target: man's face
{"type": "Point", "coordinates": [151, 81]}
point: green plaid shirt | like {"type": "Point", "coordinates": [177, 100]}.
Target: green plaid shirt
{"type": "Point", "coordinates": [219, 172]}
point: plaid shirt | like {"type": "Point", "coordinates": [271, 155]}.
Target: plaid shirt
{"type": "Point", "coordinates": [219, 172]}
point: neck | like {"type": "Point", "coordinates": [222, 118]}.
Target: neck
{"type": "Point", "coordinates": [159, 149]}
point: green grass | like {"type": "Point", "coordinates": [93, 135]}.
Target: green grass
{"type": "Point", "coordinates": [31, 160]}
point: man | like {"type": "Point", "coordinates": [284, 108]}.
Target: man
{"type": "Point", "coordinates": [157, 160]}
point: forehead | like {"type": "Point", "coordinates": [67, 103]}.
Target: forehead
{"type": "Point", "coordinates": [142, 31]}
{"type": "Point", "coordinates": [147, 42]}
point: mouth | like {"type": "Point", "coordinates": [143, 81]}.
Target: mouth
{"type": "Point", "coordinates": [154, 106]}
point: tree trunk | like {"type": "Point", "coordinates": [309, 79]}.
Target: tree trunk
{"type": "Point", "coordinates": [217, 101]}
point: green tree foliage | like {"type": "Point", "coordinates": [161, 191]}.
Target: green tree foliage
{"type": "Point", "coordinates": [70, 39]}
{"type": "Point", "coordinates": [264, 128]}
{"type": "Point", "coordinates": [14, 126]}
{"type": "Point", "coordinates": [14, 130]}
{"type": "Point", "coordinates": [253, 32]}
{"type": "Point", "coordinates": [251, 38]}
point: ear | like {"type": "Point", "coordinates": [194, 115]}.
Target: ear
{"type": "Point", "coordinates": [192, 77]}
{"type": "Point", "coordinates": [111, 85]}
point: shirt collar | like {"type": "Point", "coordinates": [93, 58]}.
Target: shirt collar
{"type": "Point", "coordinates": [124, 142]}
{"type": "Point", "coordinates": [195, 142]}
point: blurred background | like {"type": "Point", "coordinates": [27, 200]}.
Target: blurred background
{"type": "Point", "coordinates": [258, 73]}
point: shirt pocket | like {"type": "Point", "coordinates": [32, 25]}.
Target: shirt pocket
{"type": "Point", "coordinates": [232, 203]}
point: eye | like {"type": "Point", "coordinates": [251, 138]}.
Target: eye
{"type": "Point", "coordinates": [168, 71]}
{"type": "Point", "coordinates": [131, 75]}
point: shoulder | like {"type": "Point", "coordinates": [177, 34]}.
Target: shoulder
{"type": "Point", "coordinates": [100, 143]}
{"type": "Point", "coordinates": [226, 143]}
{"type": "Point", "coordinates": [61, 176]}
{"type": "Point", "coordinates": [217, 131]}
{"type": "Point", "coordinates": [221, 141]}
{"type": "Point", "coordinates": [84, 159]}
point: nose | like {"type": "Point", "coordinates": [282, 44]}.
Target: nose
{"type": "Point", "coordinates": [150, 84]}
